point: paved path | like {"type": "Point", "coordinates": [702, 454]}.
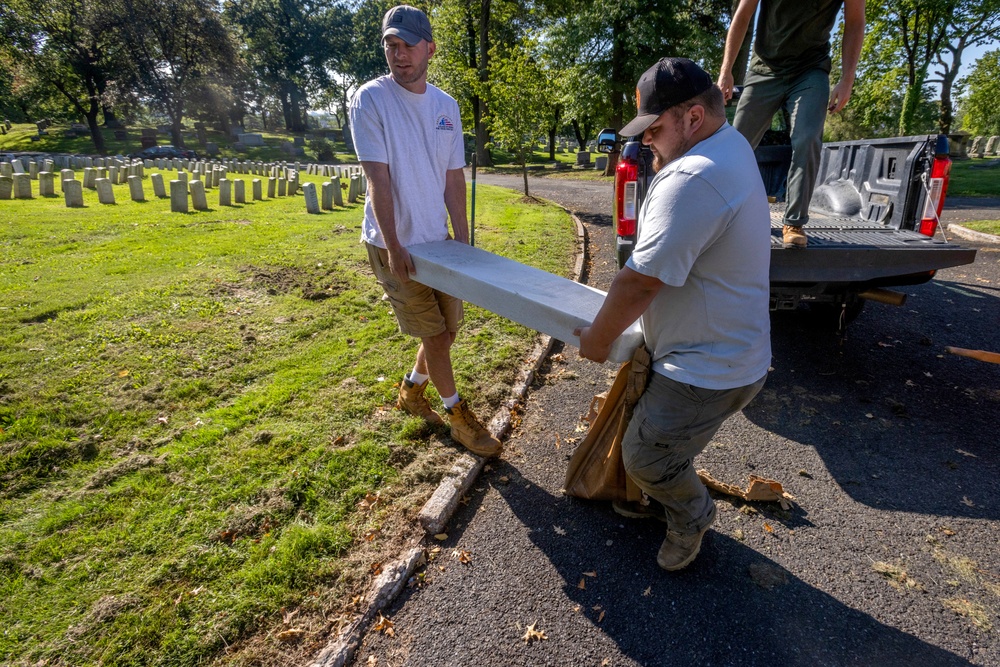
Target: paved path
{"type": "Point", "coordinates": [891, 556]}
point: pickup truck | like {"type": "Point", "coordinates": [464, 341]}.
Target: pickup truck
{"type": "Point", "coordinates": [873, 221]}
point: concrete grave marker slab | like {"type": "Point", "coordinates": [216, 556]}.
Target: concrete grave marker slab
{"type": "Point", "coordinates": [539, 300]}
{"type": "Point", "coordinates": [158, 189]}
{"type": "Point", "coordinates": [258, 193]}
{"type": "Point", "coordinates": [105, 191]}
{"type": "Point", "coordinates": [135, 189]}
{"type": "Point", "coordinates": [22, 186]}
{"type": "Point", "coordinates": [272, 184]}
{"type": "Point", "coordinates": [6, 169]}
{"type": "Point", "coordinates": [73, 193]}
{"type": "Point", "coordinates": [225, 192]}
{"type": "Point", "coordinates": [89, 176]}
{"type": "Point", "coordinates": [6, 187]}
{"type": "Point", "coordinates": [991, 145]}
{"type": "Point", "coordinates": [178, 196]}
{"type": "Point", "coordinates": [66, 175]}
{"type": "Point", "coordinates": [46, 184]}
{"type": "Point", "coordinates": [17, 166]}
{"type": "Point", "coordinates": [312, 201]}
{"type": "Point", "coordinates": [239, 191]}
{"type": "Point", "coordinates": [327, 197]}
{"type": "Point", "coordinates": [282, 185]}
{"type": "Point", "coordinates": [338, 192]}
{"type": "Point", "coordinates": [199, 201]}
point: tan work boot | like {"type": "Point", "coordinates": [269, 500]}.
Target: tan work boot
{"type": "Point", "coordinates": [678, 550]}
{"type": "Point", "coordinates": [466, 429]}
{"type": "Point", "coordinates": [412, 399]}
{"type": "Point", "coordinates": [793, 237]}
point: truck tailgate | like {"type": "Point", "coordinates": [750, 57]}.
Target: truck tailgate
{"type": "Point", "coordinates": [850, 250]}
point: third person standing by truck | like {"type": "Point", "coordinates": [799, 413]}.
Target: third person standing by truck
{"type": "Point", "coordinates": [791, 68]}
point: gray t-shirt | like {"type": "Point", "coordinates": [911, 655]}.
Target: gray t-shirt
{"type": "Point", "coordinates": [420, 137]}
{"type": "Point", "coordinates": [705, 232]}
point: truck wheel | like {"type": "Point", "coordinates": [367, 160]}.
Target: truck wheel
{"type": "Point", "coordinates": [834, 316]}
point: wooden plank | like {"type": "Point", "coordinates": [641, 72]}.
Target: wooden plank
{"type": "Point", "coordinates": [539, 300]}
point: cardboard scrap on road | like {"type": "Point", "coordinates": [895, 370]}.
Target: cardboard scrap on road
{"type": "Point", "coordinates": [759, 489]}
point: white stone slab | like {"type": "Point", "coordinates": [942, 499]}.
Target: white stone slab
{"type": "Point", "coordinates": [539, 300]}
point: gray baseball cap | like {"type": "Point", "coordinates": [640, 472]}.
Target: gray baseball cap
{"type": "Point", "coordinates": [408, 23]}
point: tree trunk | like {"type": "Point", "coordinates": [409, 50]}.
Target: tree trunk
{"type": "Point", "coordinates": [914, 94]}
{"type": "Point", "coordinates": [482, 135]}
{"type": "Point", "coordinates": [619, 62]}
{"type": "Point", "coordinates": [948, 77]}
{"type": "Point", "coordinates": [524, 171]}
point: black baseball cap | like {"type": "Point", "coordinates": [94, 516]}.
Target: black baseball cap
{"type": "Point", "coordinates": [667, 83]}
{"type": "Point", "coordinates": [408, 23]}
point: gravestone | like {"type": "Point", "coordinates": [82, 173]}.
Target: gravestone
{"type": "Point", "coordinates": [105, 191]}
{"type": "Point", "coordinates": [327, 191]}
{"type": "Point", "coordinates": [251, 139]}
{"type": "Point", "coordinates": [977, 147]}
{"type": "Point", "coordinates": [601, 162]}
{"type": "Point", "coordinates": [212, 148]}
{"type": "Point", "coordinates": [66, 175]}
{"type": "Point", "coordinates": [33, 170]}
{"type": "Point", "coordinates": [293, 184]}
{"type": "Point", "coordinates": [6, 187]}
{"type": "Point", "coordinates": [199, 201]}
{"type": "Point", "coordinates": [991, 145]}
{"type": "Point", "coordinates": [354, 190]}
{"type": "Point", "coordinates": [73, 192]}
{"type": "Point", "coordinates": [182, 176]}
{"type": "Point", "coordinates": [17, 166]}
{"type": "Point", "coordinates": [338, 191]}
{"type": "Point", "coordinates": [89, 175]}
{"type": "Point", "coordinates": [225, 192]}
{"type": "Point", "coordinates": [299, 141]}
{"type": "Point", "coordinates": [542, 301]}
{"type": "Point", "coordinates": [282, 184]}
{"type": "Point", "coordinates": [46, 184]}
{"type": "Point", "coordinates": [22, 186]}
{"type": "Point", "coordinates": [271, 185]}
{"type": "Point", "coordinates": [257, 189]}
{"type": "Point", "coordinates": [158, 189]}
{"type": "Point", "coordinates": [113, 174]}
{"type": "Point", "coordinates": [135, 188]}
{"type": "Point", "coordinates": [312, 201]}
{"type": "Point", "coordinates": [239, 191]}
{"type": "Point", "coordinates": [178, 196]}
{"type": "Point", "coordinates": [583, 159]}
{"type": "Point", "coordinates": [6, 170]}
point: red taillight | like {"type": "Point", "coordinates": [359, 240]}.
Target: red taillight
{"type": "Point", "coordinates": [626, 175]}
{"type": "Point", "coordinates": [937, 187]}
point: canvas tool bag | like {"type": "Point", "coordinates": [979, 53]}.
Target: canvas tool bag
{"type": "Point", "coordinates": [596, 471]}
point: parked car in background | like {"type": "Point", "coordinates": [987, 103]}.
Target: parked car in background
{"type": "Point", "coordinates": [167, 151]}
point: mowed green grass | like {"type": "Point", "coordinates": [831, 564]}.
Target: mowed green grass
{"type": "Point", "coordinates": [975, 178]}
{"type": "Point", "coordinates": [193, 407]}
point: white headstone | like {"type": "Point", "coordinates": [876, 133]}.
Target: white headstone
{"type": "Point", "coordinates": [178, 196]}
{"type": "Point", "coordinates": [271, 185]}
{"type": "Point", "coordinates": [338, 191]}
{"type": "Point", "coordinates": [327, 196]}
{"type": "Point", "coordinates": [157, 181]}
{"type": "Point", "coordinates": [239, 191]}
{"type": "Point", "coordinates": [312, 201]}
{"type": "Point", "coordinates": [105, 191]}
{"type": "Point", "coordinates": [135, 188]}
{"type": "Point", "coordinates": [199, 201]}
{"type": "Point", "coordinates": [73, 192]}
{"type": "Point", "coordinates": [46, 184]}
{"type": "Point", "coordinates": [66, 175]}
{"type": "Point", "coordinates": [6, 187]}
{"type": "Point", "coordinates": [282, 184]}
{"type": "Point", "coordinates": [257, 190]}
{"type": "Point", "coordinates": [89, 176]}
{"type": "Point", "coordinates": [22, 186]}
{"type": "Point", "coordinates": [225, 192]}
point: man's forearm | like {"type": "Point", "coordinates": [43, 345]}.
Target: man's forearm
{"type": "Point", "coordinates": [737, 31]}
{"type": "Point", "coordinates": [854, 38]}
{"type": "Point", "coordinates": [454, 201]}
{"type": "Point", "coordinates": [380, 193]}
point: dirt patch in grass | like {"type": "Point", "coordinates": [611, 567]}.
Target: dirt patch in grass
{"type": "Point", "coordinates": [106, 476]}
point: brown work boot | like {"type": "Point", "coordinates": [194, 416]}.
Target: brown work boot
{"type": "Point", "coordinates": [412, 399]}
{"type": "Point", "coordinates": [635, 509]}
{"type": "Point", "coordinates": [793, 237]}
{"type": "Point", "coordinates": [466, 429]}
{"type": "Point", "coordinates": [678, 549]}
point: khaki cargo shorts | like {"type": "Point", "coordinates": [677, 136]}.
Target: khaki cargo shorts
{"type": "Point", "coordinates": [420, 311]}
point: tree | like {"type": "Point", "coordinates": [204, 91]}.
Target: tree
{"type": "Point", "coordinates": [517, 102]}
{"type": "Point", "coordinates": [980, 93]}
{"type": "Point", "coordinates": [69, 48]}
{"type": "Point", "coordinates": [173, 51]}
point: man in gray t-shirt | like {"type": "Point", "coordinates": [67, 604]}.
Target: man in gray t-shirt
{"type": "Point", "coordinates": [698, 282]}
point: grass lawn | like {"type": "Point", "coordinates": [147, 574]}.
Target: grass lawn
{"type": "Point", "coordinates": [975, 178]}
{"type": "Point", "coordinates": [197, 446]}
{"type": "Point", "coordinates": [985, 226]}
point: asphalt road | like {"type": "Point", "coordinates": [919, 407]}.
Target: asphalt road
{"type": "Point", "coordinates": [890, 556]}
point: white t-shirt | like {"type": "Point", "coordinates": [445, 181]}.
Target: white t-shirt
{"type": "Point", "coordinates": [705, 232]}
{"type": "Point", "coordinates": [420, 137]}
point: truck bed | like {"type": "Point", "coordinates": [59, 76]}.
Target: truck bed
{"type": "Point", "coordinates": [843, 249]}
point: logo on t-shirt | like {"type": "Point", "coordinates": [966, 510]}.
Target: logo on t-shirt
{"type": "Point", "coordinates": [444, 123]}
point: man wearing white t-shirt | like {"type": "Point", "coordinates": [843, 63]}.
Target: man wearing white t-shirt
{"type": "Point", "coordinates": [698, 282]}
{"type": "Point", "coordinates": [408, 137]}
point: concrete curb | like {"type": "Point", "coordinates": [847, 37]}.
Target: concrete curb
{"type": "Point", "coordinates": [438, 510]}
{"type": "Point", "coordinates": [973, 235]}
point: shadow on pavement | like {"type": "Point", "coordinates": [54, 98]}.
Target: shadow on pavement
{"type": "Point", "coordinates": [900, 423]}
{"type": "Point", "coordinates": [732, 606]}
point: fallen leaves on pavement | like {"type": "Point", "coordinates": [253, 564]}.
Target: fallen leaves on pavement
{"type": "Point", "coordinates": [384, 625]}
{"type": "Point", "coordinates": [462, 555]}
{"type": "Point", "coordinates": [533, 632]}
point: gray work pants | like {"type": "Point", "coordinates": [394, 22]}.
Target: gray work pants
{"type": "Point", "coordinates": [672, 423]}
{"type": "Point", "coordinates": [806, 97]}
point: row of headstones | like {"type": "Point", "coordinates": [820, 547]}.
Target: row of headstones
{"type": "Point", "coordinates": [984, 146]}
{"type": "Point", "coordinates": [33, 166]}
{"type": "Point", "coordinates": [18, 186]}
